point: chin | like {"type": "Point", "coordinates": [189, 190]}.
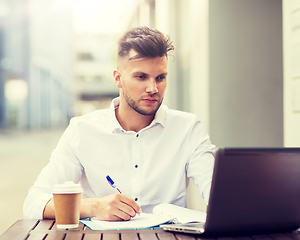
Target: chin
{"type": "Point", "coordinates": [148, 112]}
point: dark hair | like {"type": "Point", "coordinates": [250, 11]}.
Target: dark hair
{"type": "Point", "coordinates": [146, 42]}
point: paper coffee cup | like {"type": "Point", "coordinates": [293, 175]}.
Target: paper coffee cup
{"type": "Point", "coordinates": [67, 198]}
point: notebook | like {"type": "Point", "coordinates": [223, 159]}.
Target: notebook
{"type": "Point", "coordinates": [162, 213]}
{"type": "Point", "coordinates": [254, 191]}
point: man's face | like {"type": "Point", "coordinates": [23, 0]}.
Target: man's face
{"type": "Point", "coordinates": [142, 83]}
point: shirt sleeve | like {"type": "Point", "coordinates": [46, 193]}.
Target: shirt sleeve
{"type": "Point", "coordinates": [63, 166]}
{"type": "Point", "coordinates": [201, 162]}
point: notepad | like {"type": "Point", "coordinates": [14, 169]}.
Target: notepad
{"type": "Point", "coordinates": [144, 220]}
{"type": "Point", "coordinates": [162, 213]}
{"type": "Point", "coordinates": [180, 214]}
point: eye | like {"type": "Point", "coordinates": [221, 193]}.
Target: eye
{"type": "Point", "coordinates": [140, 77]}
{"type": "Point", "coordinates": [160, 78]}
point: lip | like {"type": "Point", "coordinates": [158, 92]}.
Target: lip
{"type": "Point", "coordinates": [150, 100]}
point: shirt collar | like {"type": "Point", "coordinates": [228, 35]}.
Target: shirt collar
{"type": "Point", "coordinates": [113, 122]}
{"type": "Point", "coordinates": [160, 116]}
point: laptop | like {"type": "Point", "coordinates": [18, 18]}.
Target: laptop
{"type": "Point", "coordinates": [253, 191]}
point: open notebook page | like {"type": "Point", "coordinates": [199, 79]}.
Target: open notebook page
{"type": "Point", "coordinates": [144, 220]}
{"type": "Point", "coordinates": [182, 215]}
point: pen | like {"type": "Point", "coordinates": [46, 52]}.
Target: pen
{"type": "Point", "coordinates": [112, 183]}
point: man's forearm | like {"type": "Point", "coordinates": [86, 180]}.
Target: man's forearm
{"type": "Point", "coordinates": [49, 210]}
{"type": "Point", "coordinates": [112, 208]}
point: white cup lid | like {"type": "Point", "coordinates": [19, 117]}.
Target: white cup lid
{"type": "Point", "coordinates": [67, 187]}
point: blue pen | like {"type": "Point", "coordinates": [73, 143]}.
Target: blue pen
{"type": "Point", "coordinates": [112, 183]}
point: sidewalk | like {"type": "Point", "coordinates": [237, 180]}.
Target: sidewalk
{"type": "Point", "coordinates": [22, 156]}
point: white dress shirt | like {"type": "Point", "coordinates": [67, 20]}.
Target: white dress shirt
{"type": "Point", "coordinates": [151, 166]}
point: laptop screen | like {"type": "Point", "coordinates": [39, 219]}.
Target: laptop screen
{"type": "Point", "coordinates": [255, 190]}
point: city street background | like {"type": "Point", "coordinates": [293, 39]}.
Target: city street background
{"type": "Point", "coordinates": [23, 155]}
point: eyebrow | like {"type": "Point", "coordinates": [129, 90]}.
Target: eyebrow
{"type": "Point", "coordinates": [140, 73]}
{"type": "Point", "coordinates": [145, 74]}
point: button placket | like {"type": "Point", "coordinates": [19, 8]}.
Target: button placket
{"type": "Point", "coordinates": [136, 158]}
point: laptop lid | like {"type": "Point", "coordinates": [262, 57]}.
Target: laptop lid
{"type": "Point", "coordinates": [254, 190]}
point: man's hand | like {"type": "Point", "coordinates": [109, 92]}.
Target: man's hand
{"type": "Point", "coordinates": [116, 207]}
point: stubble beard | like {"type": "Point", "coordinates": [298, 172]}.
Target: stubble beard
{"type": "Point", "coordinates": [133, 104]}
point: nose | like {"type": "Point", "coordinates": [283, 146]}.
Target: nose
{"type": "Point", "coordinates": [151, 86]}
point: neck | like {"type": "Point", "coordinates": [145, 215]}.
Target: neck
{"type": "Point", "coordinates": [130, 120]}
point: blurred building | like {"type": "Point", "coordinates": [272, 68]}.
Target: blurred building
{"type": "Point", "coordinates": [36, 69]}
{"type": "Point", "coordinates": [49, 73]}
{"type": "Point", "coordinates": [94, 60]}
{"type": "Point", "coordinates": [14, 65]}
{"type": "Point", "coordinates": [50, 86]}
{"type": "Point", "coordinates": [3, 15]}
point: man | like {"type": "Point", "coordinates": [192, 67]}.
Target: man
{"type": "Point", "coordinates": [149, 150]}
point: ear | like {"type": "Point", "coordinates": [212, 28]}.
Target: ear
{"type": "Point", "coordinates": [117, 77]}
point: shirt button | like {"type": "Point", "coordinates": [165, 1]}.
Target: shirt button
{"type": "Point", "coordinates": [136, 199]}
{"type": "Point", "coordinates": [136, 166]}
{"type": "Point", "coordinates": [137, 135]}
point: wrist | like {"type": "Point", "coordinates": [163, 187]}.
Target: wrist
{"type": "Point", "coordinates": [88, 206]}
